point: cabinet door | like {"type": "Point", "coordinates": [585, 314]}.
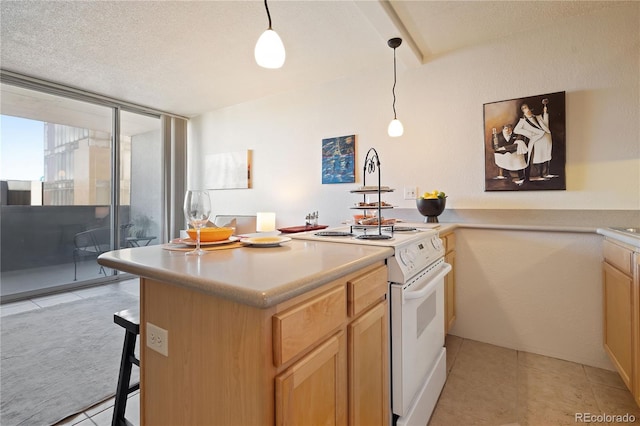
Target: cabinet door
{"type": "Point", "coordinates": [617, 300]}
{"type": "Point", "coordinates": [369, 368]}
{"type": "Point", "coordinates": [450, 293]}
{"type": "Point", "coordinates": [313, 391]}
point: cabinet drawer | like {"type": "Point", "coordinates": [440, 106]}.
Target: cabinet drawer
{"type": "Point", "coordinates": [299, 327]}
{"type": "Point", "coordinates": [449, 241]}
{"type": "Point", "coordinates": [365, 290]}
{"type": "Point", "coordinates": [618, 256]}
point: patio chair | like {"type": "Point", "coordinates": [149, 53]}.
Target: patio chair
{"type": "Point", "coordinates": [90, 244]}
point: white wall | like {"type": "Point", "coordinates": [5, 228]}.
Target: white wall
{"type": "Point", "coordinates": [532, 291]}
{"type": "Point", "coordinates": [595, 59]}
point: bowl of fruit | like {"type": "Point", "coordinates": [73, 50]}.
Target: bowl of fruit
{"type": "Point", "coordinates": [431, 205]}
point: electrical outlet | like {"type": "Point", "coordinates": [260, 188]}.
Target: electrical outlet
{"type": "Point", "coordinates": [158, 339]}
{"type": "Point", "coordinates": [410, 192]}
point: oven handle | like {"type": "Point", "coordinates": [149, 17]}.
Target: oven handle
{"type": "Point", "coordinates": [417, 294]}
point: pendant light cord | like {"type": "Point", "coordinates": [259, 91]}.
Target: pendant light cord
{"type": "Point", "coordinates": [393, 90]}
{"type": "Point", "coordinates": [269, 15]}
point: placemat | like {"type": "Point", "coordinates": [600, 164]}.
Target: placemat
{"type": "Point", "coordinates": [183, 247]}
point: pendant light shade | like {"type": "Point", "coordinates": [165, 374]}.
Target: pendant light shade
{"type": "Point", "coordinates": [269, 51]}
{"type": "Point", "coordinates": [395, 128]}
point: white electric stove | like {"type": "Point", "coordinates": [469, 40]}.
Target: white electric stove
{"type": "Point", "coordinates": [416, 287]}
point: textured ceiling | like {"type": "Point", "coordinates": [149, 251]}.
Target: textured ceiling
{"type": "Point", "coordinates": [189, 57]}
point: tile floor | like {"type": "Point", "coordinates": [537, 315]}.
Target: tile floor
{"type": "Point", "coordinates": [486, 384]}
{"type": "Point", "coordinates": [491, 385]}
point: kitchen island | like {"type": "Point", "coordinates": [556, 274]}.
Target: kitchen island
{"type": "Point", "coordinates": [290, 334]}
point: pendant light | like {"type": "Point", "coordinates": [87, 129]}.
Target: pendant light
{"type": "Point", "coordinates": [269, 51]}
{"type": "Point", "coordinates": [395, 127]}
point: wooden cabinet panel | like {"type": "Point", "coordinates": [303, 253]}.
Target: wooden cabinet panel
{"type": "Point", "coordinates": [617, 300]}
{"type": "Point", "coordinates": [297, 328]}
{"type": "Point", "coordinates": [220, 368]}
{"type": "Point", "coordinates": [618, 256]}
{"type": "Point", "coordinates": [449, 241]}
{"type": "Point", "coordinates": [369, 368]}
{"type": "Point", "coordinates": [313, 390]}
{"type": "Point", "coordinates": [365, 290]}
{"type": "Point", "coordinates": [219, 355]}
{"type": "Point", "coordinates": [450, 293]}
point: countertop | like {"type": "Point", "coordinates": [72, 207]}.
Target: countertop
{"type": "Point", "coordinates": [255, 276]}
{"type": "Point", "coordinates": [629, 238]}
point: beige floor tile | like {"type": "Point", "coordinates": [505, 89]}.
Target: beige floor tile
{"type": "Point", "coordinates": [482, 363]}
{"type": "Point", "coordinates": [483, 398]}
{"type": "Point", "coordinates": [552, 397]}
{"type": "Point", "coordinates": [445, 415]}
{"type": "Point", "coordinates": [485, 352]}
{"type": "Point", "coordinates": [615, 401]}
{"type": "Point", "coordinates": [604, 377]}
{"type": "Point", "coordinates": [548, 364]}
{"type": "Point", "coordinates": [453, 344]}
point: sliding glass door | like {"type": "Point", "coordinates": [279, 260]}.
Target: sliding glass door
{"type": "Point", "coordinates": [141, 172]}
{"type": "Point", "coordinates": [72, 190]}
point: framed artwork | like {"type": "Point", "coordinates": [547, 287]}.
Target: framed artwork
{"type": "Point", "coordinates": [338, 159]}
{"type": "Point", "coordinates": [229, 170]}
{"type": "Point", "coordinates": [525, 143]}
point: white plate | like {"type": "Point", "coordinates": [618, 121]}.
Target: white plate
{"type": "Point", "coordinates": [190, 242]}
{"type": "Point", "coordinates": [267, 241]}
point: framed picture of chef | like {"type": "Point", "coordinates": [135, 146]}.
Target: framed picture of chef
{"type": "Point", "coordinates": [524, 143]}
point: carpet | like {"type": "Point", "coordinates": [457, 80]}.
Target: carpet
{"type": "Point", "coordinates": [60, 360]}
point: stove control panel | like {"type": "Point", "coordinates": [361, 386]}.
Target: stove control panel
{"type": "Point", "coordinates": [414, 256]}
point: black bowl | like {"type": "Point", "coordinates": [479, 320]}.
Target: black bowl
{"type": "Point", "coordinates": [431, 208]}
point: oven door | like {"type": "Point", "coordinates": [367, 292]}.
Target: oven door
{"type": "Point", "coordinates": [417, 337]}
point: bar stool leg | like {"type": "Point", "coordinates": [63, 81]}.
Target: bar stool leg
{"type": "Point", "coordinates": [126, 363]}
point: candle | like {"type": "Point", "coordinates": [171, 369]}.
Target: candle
{"type": "Point", "coordinates": [265, 222]}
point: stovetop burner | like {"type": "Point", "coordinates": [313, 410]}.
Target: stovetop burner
{"type": "Point", "coordinates": [404, 228]}
{"type": "Point", "coordinates": [373, 237]}
{"type": "Point", "coordinates": [333, 234]}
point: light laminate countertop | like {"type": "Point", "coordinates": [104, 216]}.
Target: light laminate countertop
{"type": "Point", "coordinates": [629, 238]}
{"type": "Point", "coordinates": [255, 276]}
{"type": "Point", "coordinates": [632, 239]}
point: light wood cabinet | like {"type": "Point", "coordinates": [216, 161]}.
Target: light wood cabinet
{"type": "Point", "coordinates": [313, 390]}
{"type": "Point", "coordinates": [449, 241]}
{"type": "Point", "coordinates": [306, 323]}
{"type": "Point", "coordinates": [617, 320]}
{"type": "Point", "coordinates": [621, 305]}
{"type": "Point", "coordinates": [369, 368]}
{"type": "Point", "coordinates": [320, 358]}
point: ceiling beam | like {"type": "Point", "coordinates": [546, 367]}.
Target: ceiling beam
{"type": "Point", "coordinates": [387, 23]}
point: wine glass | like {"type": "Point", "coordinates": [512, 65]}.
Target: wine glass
{"type": "Point", "coordinates": [197, 208]}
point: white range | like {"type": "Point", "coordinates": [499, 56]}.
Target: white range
{"type": "Point", "coordinates": [416, 287]}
